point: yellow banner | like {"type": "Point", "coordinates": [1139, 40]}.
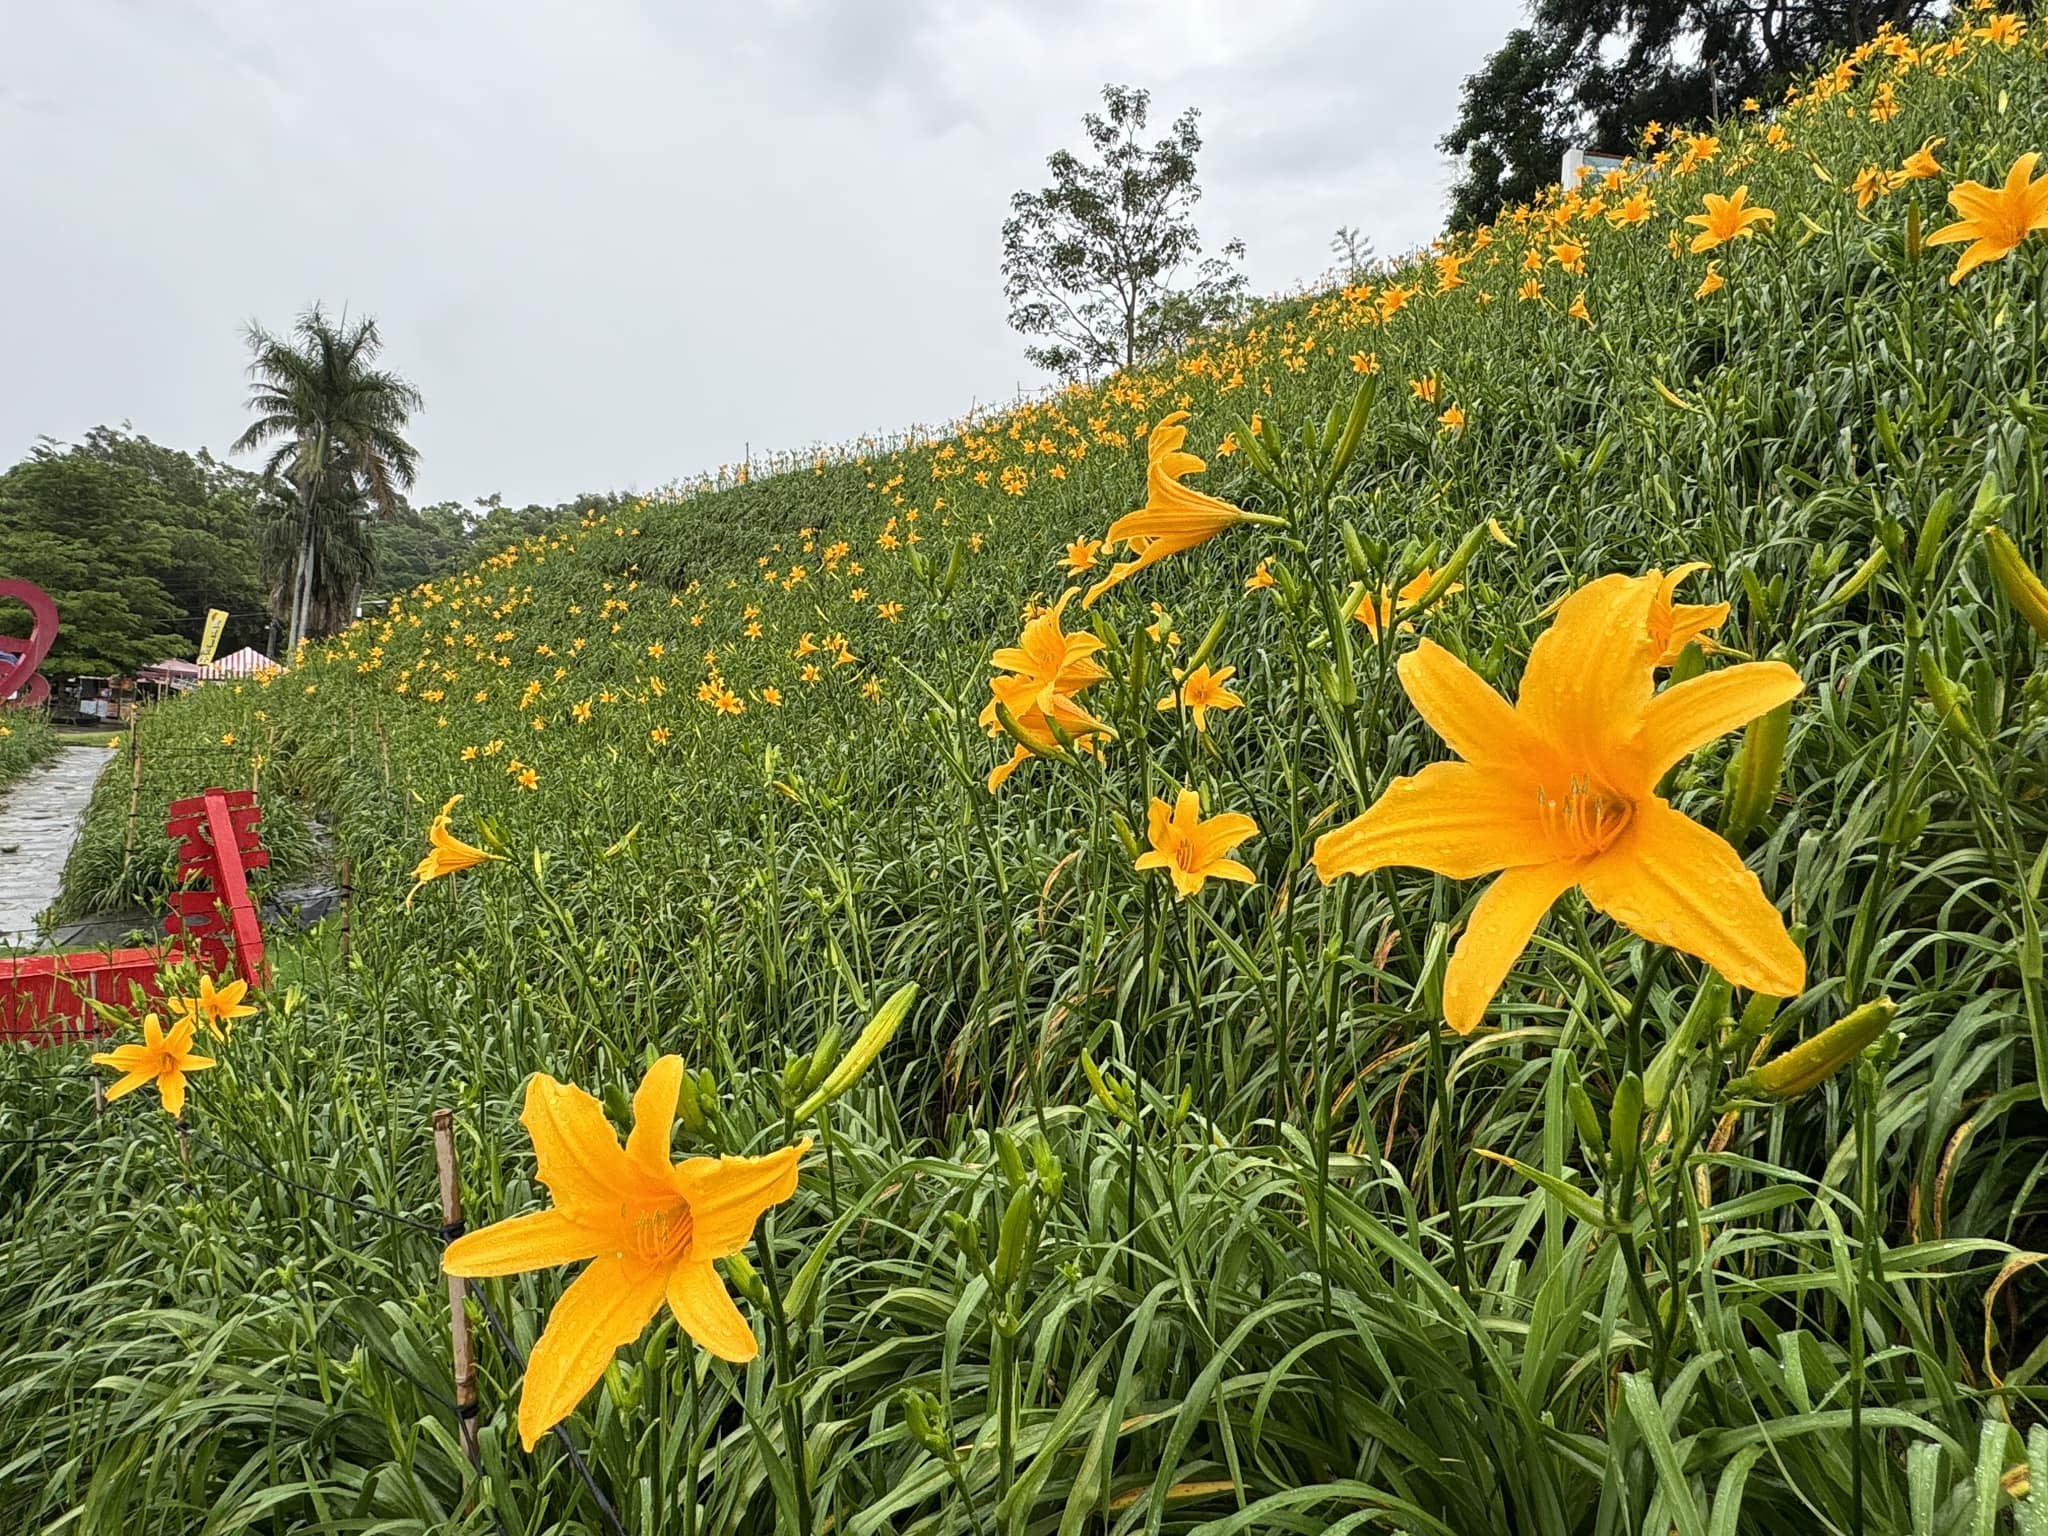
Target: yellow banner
{"type": "Point", "coordinates": [216, 621]}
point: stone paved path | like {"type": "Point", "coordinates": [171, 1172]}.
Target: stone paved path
{"type": "Point", "coordinates": [39, 816]}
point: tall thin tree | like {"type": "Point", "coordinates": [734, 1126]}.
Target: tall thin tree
{"type": "Point", "coordinates": [334, 423]}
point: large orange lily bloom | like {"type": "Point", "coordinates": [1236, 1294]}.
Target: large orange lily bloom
{"type": "Point", "coordinates": [649, 1227]}
{"type": "Point", "coordinates": [1995, 219]}
{"type": "Point", "coordinates": [1559, 790]}
{"type": "Point", "coordinates": [1175, 517]}
{"type": "Point", "coordinates": [161, 1058]}
{"type": "Point", "coordinates": [1192, 850]}
{"type": "Point", "coordinates": [1046, 668]}
{"type": "Point", "coordinates": [447, 854]}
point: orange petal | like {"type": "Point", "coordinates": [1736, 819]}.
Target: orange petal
{"type": "Point", "coordinates": [728, 1194]}
{"type": "Point", "coordinates": [171, 1086]}
{"type": "Point", "coordinates": [1499, 929]}
{"type": "Point", "coordinates": [1688, 715]}
{"type": "Point", "coordinates": [577, 1150]}
{"type": "Point", "coordinates": [128, 1084]}
{"type": "Point", "coordinates": [1590, 676]}
{"type": "Point", "coordinates": [1673, 882]}
{"type": "Point", "coordinates": [1474, 721]}
{"type": "Point", "coordinates": [1452, 818]}
{"type": "Point", "coordinates": [654, 1117]}
{"type": "Point", "coordinates": [705, 1309]}
{"type": "Point", "coordinates": [607, 1306]}
{"type": "Point", "coordinates": [537, 1241]}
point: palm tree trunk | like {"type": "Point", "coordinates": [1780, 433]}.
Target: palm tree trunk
{"type": "Point", "coordinates": [302, 579]}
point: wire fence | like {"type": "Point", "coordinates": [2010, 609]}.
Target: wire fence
{"type": "Point", "coordinates": [442, 1234]}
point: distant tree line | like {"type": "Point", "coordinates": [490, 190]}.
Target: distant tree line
{"type": "Point", "coordinates": [135, 541]}
{"type": "Point", "coordinates": [1597, 72]}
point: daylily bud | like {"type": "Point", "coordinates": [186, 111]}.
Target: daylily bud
{"type": "Point", "coordinates": [1015, 1233]}
{"type": "Point", "coordinates": [2016, 579]}
{"type": "Point", "coordinates": [740, 1271]}
{"type": "Point", "coordinates": [1209, 643]}
{"type": "Point", "coordinates": [687, 1107]}
{"type": "Point", "coordinates": [865, 1049]}
{"type": "Point", "coordinates": [1928, 545]}
{"type": "Point", "coordinates": [1592, 1135]}
{"type": "Point", "coordinates": [1625, 1127]}
{"type": "Point", "coordinates": [1754, 774]}
{"type": "Point", "coordinates": [1354, 553]}
{"type": "Point", "coordinates": [1010, 1160]}
{"type": "Point", "coordinates": [1354, 428]}
{"type": "Point", "coordinates": [1453, 568]}
{"type": "Point", "coordinates": [822, 1058]}
{"type": "Point", "coordinates": [1812, 1062]}
{"type": "Point", "coordinates": [1951, 703]}
{"type": "Point", "coordinates": [1706, 1010]}
{"type": "Point", "coordinates": [1862, 577]}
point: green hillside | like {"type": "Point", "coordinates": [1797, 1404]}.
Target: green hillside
{"type": "Point", "coordinates": [1258, 1208]}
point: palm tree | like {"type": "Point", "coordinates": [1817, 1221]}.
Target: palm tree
{"type": "Point", "coordinates": [335, 422]}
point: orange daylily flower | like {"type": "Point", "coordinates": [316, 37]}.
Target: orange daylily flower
{"type": "Point", "coordinates": [1559, 790]}
{"type": "Point", "coordinates": [216, 1007]}
{"type": "Point", "coordinates": [1921, 164]}
{"type": "Point", "coordinates": [649, 1227]}
{"type": "Point", "coordinates": [1673, 625]}
{"type": "Point", "coordinates": [163, 1059]}
{"type": "Point", "coordinates": [447, 853]}
{"type": "Point", "coordinates": [1995, 219]}
{"type": "Point", "coordinates": [1047, 668]}
{"type": "Point", "coordinates": [1201, 691]}
{"type": "Point", "coordinates": [1175, 517]}
{"type": "Point", "coordinates": [1192, 850]}
{"type": "Point", "coordinates": [1726, 218]}
{"type": "Point", "coordinates": [1375, 616]}
{"type": "Point", "coordinates": [1081, 556]}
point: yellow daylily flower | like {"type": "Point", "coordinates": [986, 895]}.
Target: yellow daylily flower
{"type": "Point", "coordinates": [1175, 517]}
{"type": "Point", "coordinates": [1672, 625]}
{"type": "Point", "coordinates": [1046, 668]}
{"type": "Point", "coordinates": [649, 1227]}
{"type": "Point", "coordinates": [1374, 616]}
{"type": "Point", "coordinates": [163, 1059]}
{"type": "Point", "coordinates": [1559, 790]}
{"type": "Point", "coordinates": [1192, 850]}
{"type": "Point", "coordinates": [1726, 218]}
{"type": "Point", "coordinates": [1995, 219]}
{"type": "Point", "coordinates": [1201, 691]}
{"type": "Point", "coordinates": [216, 1008]}
{"type": "Point", "coordinates": [1081, 556]}
{"type": "Point", "coordinates": [447, 854]}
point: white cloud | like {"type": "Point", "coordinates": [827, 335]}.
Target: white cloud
{"type": "Point", "coordinates": [615, 242]}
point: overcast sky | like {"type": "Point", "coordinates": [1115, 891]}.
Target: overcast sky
{"type": "Point", "coordinates": [612, 241]}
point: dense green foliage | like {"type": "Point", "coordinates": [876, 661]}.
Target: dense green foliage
{"type": "Point", "coordinates": [1158, 1215]}
{"type": "Point", "coordinates": [1596, 74]}
{"type": "Point", "coordinates": [25, 740]}
{"type": "Point", "coordinates": [135, 541]}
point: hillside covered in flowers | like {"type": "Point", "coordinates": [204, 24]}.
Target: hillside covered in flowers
{"type": "Point", "coordinates": [1423, 918]}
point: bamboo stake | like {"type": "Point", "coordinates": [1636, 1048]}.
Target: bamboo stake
{"type": "Point", "coordinates": [458, 1314]}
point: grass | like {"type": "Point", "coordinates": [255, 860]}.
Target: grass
{"type": "Point", "coordinates": [27, 740]}
{"type": "Point", "coordinates": [1261, 1278]}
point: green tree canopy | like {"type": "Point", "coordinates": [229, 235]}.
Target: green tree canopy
{"type": "Point", "coordinates": [1106, 263]}
{"type": "Point", "coordinates": [1597, 72]}
{"type": "Point", "coordinates": [134, 542]}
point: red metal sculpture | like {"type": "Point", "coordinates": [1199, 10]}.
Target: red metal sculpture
{"type": "Point", "coordinates": [21, 685]}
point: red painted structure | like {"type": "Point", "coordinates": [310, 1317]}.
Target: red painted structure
{"type": "Point", "coordinates": [46, 999]}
